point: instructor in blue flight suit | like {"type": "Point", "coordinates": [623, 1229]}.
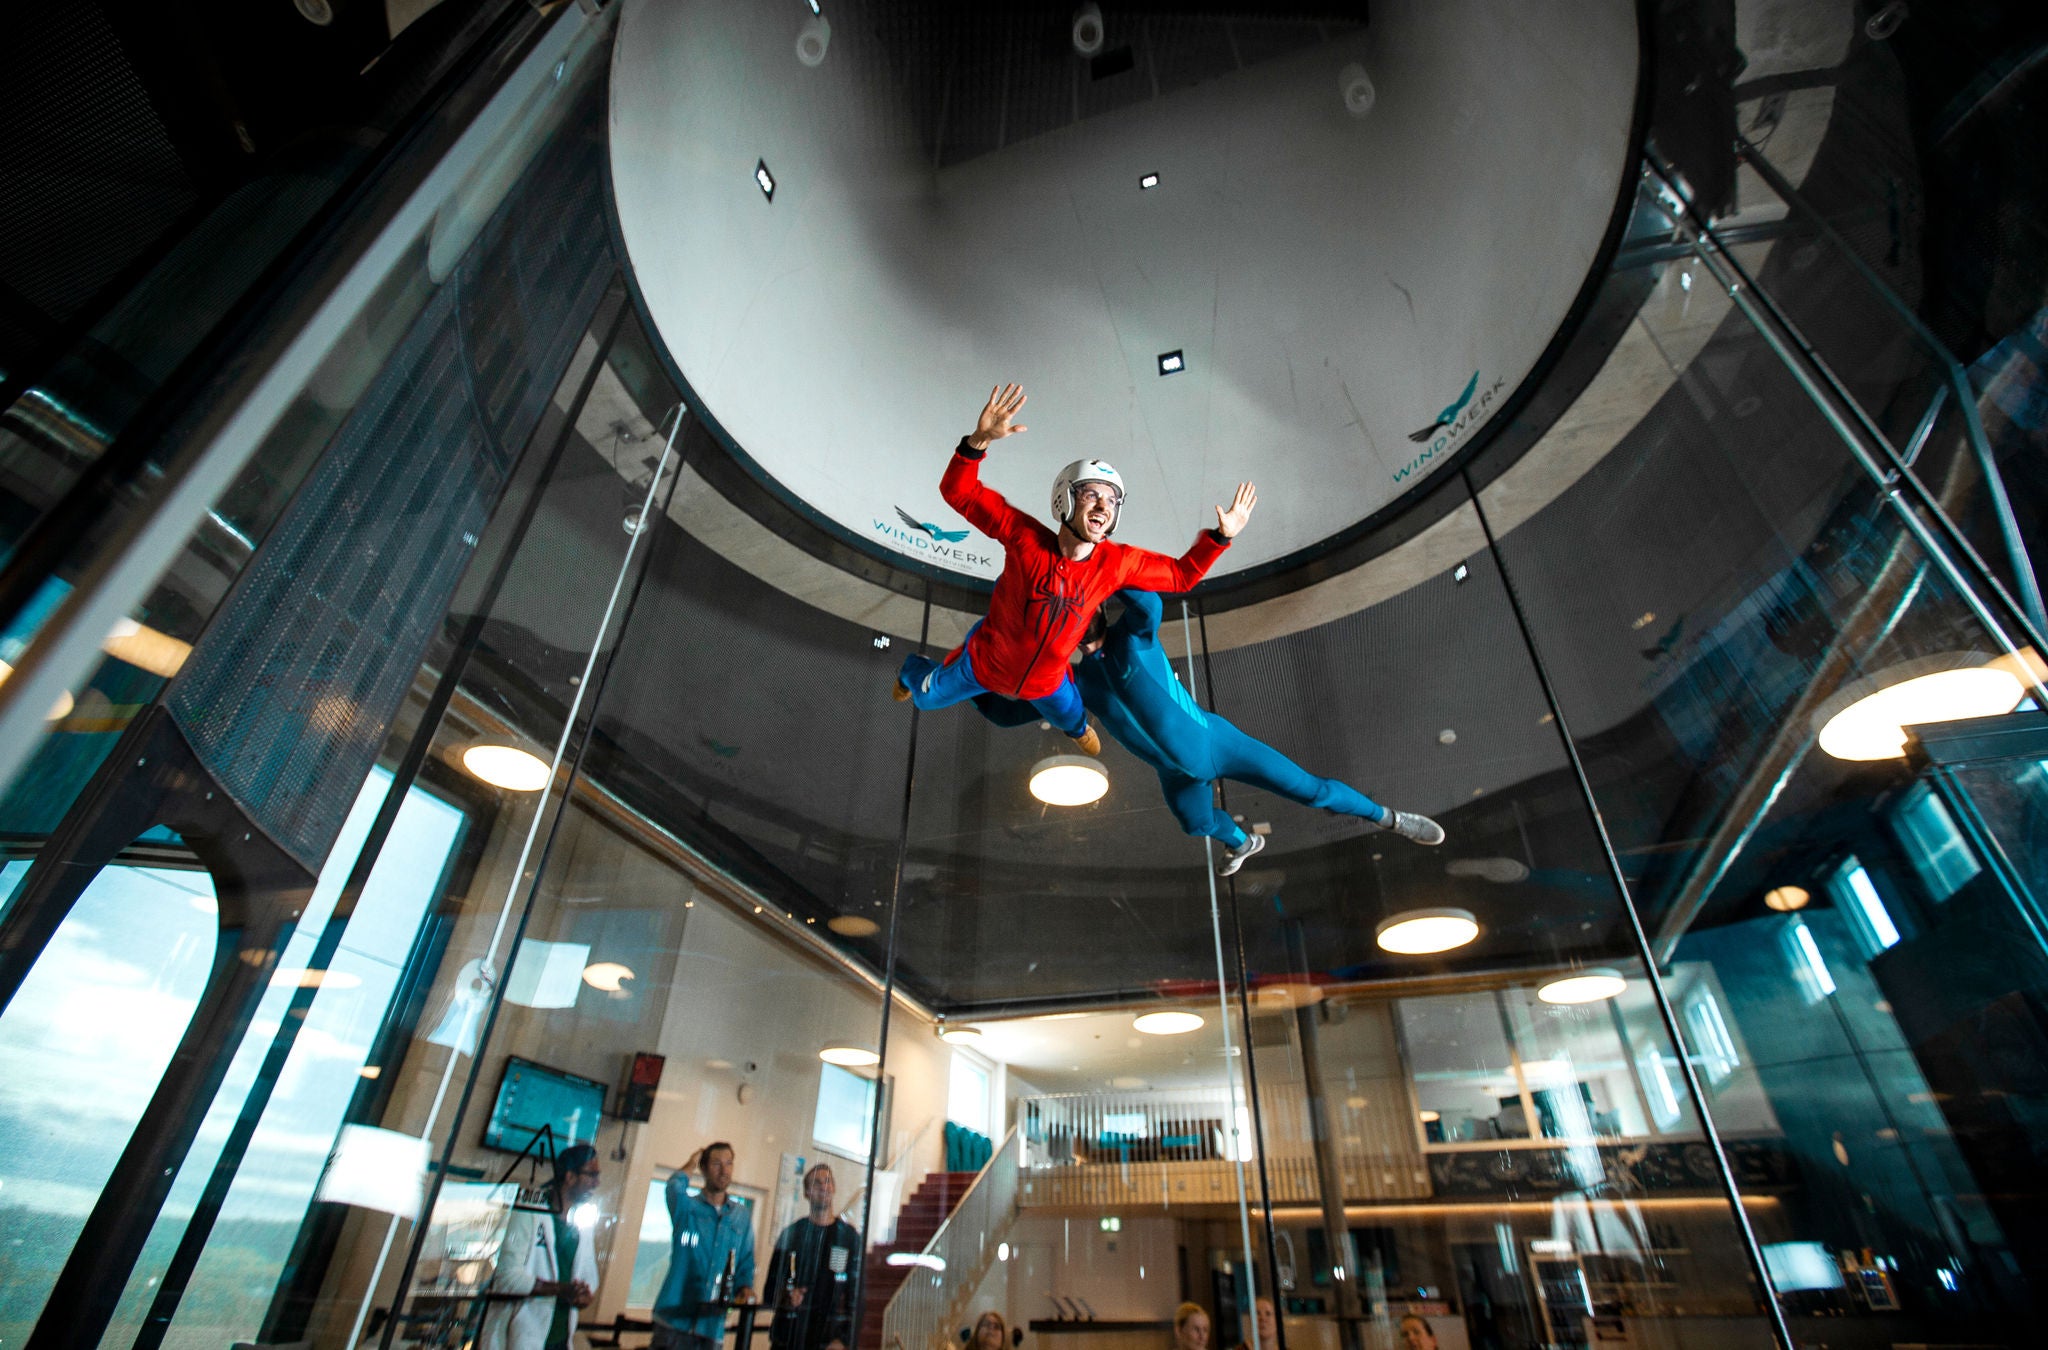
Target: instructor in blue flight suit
{"type": "Point", "coordinates": [1126, 681]}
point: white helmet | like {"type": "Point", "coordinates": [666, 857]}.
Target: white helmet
{"type": "Point", "coordinates": [1085, 471]}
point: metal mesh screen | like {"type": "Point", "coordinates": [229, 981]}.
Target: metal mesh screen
{"type": "Point", "coordinates": [288, 696]}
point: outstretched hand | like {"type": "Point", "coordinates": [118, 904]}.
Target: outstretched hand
{"type": "Point", "coordinates": [1229, 522]}
{"type": "Point", "coordinates": [1004, 402]}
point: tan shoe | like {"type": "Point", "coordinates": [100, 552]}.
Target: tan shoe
{"type": "Point", "coordinates": [899, 691]}
{"type": "Point", "coordinates": [1089, 743]}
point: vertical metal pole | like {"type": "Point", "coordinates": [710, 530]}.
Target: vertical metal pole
{"type": "Point", "coordinates": [1251, 1065]}
{"type": "Point", "coordinates": [1244, 1217]}
{"type": "Point", "coordinates": [867, 1200]}
{"type": "Point", "coordinates": [1665, 1012]}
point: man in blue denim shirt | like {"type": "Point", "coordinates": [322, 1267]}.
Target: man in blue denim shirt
{"type": "Point", "coordinates": [706, 1228]}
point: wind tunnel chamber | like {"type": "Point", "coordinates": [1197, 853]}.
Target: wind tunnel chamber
{"type": "Point", "coordinates": [502, 760]}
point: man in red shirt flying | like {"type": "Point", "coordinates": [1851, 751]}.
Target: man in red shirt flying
{"type": "Point", "coordinates": [1051, 583]}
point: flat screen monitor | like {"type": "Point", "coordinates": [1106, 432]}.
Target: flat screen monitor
{"type": "Point", "coordinates": [531, 1095]}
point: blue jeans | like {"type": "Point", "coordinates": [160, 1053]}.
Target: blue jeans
{"type": "Point", "coordinates": [1237, 756]}
{"type": "Point", "coordinates": [933, 685]}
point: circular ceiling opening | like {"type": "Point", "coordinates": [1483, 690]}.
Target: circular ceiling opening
{"type": "Point", "coordinates": [1205, 254]}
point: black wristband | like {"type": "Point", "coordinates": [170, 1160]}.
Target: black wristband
{"type": "Point", "coordinates": [1219, 536]}
{"type": "Point", "coordinates": [966, 451]}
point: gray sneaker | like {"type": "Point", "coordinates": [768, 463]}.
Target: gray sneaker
{"type": "Point", "coordinates": [1234, 859]}
{"type": "Point", "coordinates": [1421, 829]}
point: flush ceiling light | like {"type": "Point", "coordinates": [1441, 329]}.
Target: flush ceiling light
{"type": "Point", "coordinates": [849, 1056]}
{"type": "Point", "coordinates": [853, 925]}
{"type": "Point", "coordinates": [146, 649]}
{"type": "Point", "coordinates": [765, 179]}
{"type": "Point", "coordinates": [1068, 780]}
{"type": "Point", "coordinates": [1868, 719]}
{"type": "Point", "coordinates": [61, 708]}
{"type": "Point", "coordinates": [1430, 1117]}
{"type": "Point", "coordinates": [1150, 180]}
{"type": "Point", "coordinates": [1172, 363]}
{"type": "Point", "coordinates": [506, 766]}
{"type": "Point", "coordinates": [1785, 899]}
{"type": "Point", "coordinates": [1587, 986]}
{"type": "Point", "coordinates": [1167, 1023]}
{"type": "Point", "coordinates": [606, 976]}
{"type": "Point", "coordinates": [960, 1035]}
{"type": "Point", "coordinates": [1421, 931]}
{"type": "Point", "coordinates": [925, 1259]}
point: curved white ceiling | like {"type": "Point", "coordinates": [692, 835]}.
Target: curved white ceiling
{"type": "Point", "coordinates": [1335, 283]}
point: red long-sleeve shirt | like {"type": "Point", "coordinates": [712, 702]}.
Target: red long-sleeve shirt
{"type": "Point", "coordinates": [1043, 601]}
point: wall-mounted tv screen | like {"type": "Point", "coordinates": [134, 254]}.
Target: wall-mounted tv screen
{"type": "Point", "coordinates": [531, 1095]}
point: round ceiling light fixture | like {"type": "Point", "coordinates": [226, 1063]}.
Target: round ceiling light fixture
{"type": "Point", "coordinates": [1418, 932]}
{"type": "Point", "coordinates": [607, 977]}
{"type": "Point", "coordinates": [507, 766]}
{"type": "Point", "coordinates": [1068, 780]}
{"type": "Point", "coordinates": [1168, 1023]}
{"type": "Point", "coordinates": [959, 1035]}
{"type": "Point", "coordinates": [849, 1056]}
{"type": "Point", "coordinates": [1087, 30]}
{"type": "Point", "coordinates": [1429, 1117]}
{"type": "Point", "coordinates": [1867, 719]}
{"type": "Point", "coordinates": [1785, 899]}
{"type": "Point", "coordinates": [853, 925]}
{"type": "Point", "coordinates": [1359, 95]}
{"type": "Point", "coordinates": [1585, 986]}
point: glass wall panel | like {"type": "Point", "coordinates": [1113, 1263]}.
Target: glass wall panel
{"type": "Point", "coordinates": [1489, 1128]}
{"type": "Point", "coordinates": [1832, 940]}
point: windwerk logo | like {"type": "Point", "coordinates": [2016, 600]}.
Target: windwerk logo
{"type": "Point", "coordinates": [921, 536]}
{"type": "Point", "coordinates": [942, 536]}
{"type": "Point", "coordinates": [1458, 417]}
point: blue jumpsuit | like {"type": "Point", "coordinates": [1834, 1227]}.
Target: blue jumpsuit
{"type": "Point", "coordinates": [1131, 688]}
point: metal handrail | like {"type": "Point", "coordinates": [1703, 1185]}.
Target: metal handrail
{"type": "Point", "coordinates": [1958, 379]}
{"type": "Point", "coordinates": [923, 1306]}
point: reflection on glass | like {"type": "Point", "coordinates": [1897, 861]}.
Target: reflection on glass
{"type": "Point", "coordinates": [82, 1045]}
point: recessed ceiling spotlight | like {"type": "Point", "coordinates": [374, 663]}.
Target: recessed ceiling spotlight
{"type": "Point", "coordinates": [1868, 719]}
{"type": "Point", "coordinates": [765, 179]}
{"type": "Point", "coordinates": [1150, 180]}
{"type": "Point", "coordinates": [506, 766]}
{"type": "Point", "coordinates": [1171, 363]}
{"type": "Point", "coordinates": [1586, 986]}
{"type": "Point", "coordinates": [1356, 87]}
{"type": "Point", "coordinates": [1460, 572]}
{"type": "Point", "coordinates": [849, 1056]}
{"type": "Point", "coordinates": [1785, 899]}
{"type": "Point", "coordinates": [1167, 1023]}
{"type": "Point", "coordinates": [1418, 932]}
{"type": "Point", "coordinates": [1068, 780]}
{"type": "Point", "coordinates": [813, 38]}
{"type": "Point", "coordinates": [1087, 29]}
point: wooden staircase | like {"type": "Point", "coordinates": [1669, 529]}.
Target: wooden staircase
{"type": "Point", "coordinates": [928, 1207]}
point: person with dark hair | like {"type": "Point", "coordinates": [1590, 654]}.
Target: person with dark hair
{"type": "Point", "coordinates": [1417, 1334]}
{"type": "Point", "coordinates": [1051, 582]}
{"type": "Point", "coordinates": [1268, 1326]}
{"type": "Point", "coordinates": [547, 1262]}
{"type": "Point", "coordinates": [710, 1256]}
{"type": "Point", "coordinates": [812, 1271]}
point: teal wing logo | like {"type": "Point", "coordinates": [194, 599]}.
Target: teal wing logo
{"type": "Point", "coordinates": [943, 536]}
{"type": "Point", "coordinates": [1448, 415]}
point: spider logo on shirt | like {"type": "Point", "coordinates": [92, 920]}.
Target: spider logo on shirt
{"type": "Point", "coordinates": [1058, 606]}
